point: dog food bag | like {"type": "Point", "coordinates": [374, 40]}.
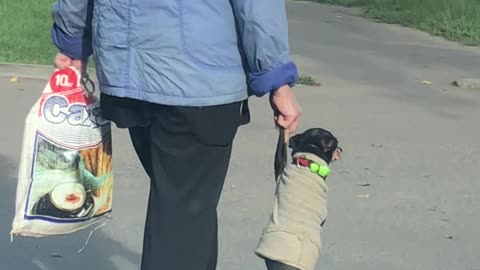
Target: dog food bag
{"type": "Point", "coordinates": [65, 176]}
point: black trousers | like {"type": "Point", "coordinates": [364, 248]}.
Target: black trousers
{"type": "Point", "coordinates": [186, 152]}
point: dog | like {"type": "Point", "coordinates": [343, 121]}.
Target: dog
{"type": "Point", "coordinates": [291, 239]}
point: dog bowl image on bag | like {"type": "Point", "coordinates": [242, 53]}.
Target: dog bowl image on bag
{"type": "Point", "coordinates": [68, 200]}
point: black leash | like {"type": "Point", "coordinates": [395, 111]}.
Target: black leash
{"type": "Point", "coordinates": [281, 153]}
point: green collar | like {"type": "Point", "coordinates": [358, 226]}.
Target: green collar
{"type": "Point", "coordinates": [314, 167]}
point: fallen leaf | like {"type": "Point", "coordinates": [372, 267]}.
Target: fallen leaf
{"type": "Point", "coordinates": [14, 79]}
{"type": "Point", "coordinates": [364, 185]}
{"type": "Point", "coordinates": [56, 255]}
{"type": "Point", "coordinates": [376, 145]}
{"type": "Point", "coordinates": [364, 196]}
{"type": "Point", "coordinates": [467, 83]}
{"type": "Point", "coordinates": [427, 82]}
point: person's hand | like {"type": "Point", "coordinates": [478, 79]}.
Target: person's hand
{"type": "Point", "coordinates": [62, 62]}
{"type": "Point", "coordinates": [286, 109]}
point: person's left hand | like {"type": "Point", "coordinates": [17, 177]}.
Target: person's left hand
{"type": "Point", "coordinates": [286, 109]}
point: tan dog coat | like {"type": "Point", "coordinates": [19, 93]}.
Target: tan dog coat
{"type": "Point", "coordinates": [292, 235]}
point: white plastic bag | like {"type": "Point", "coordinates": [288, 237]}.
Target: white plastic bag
{"type": "Point", "coordinates": [65, 179]}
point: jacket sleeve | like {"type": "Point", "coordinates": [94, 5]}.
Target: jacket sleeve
{"type": "Point", "coordinates": [71, 32]}
{"type": "Point", "coordinates": [263, 30]}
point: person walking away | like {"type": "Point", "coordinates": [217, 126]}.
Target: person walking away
{"type": "Point", "coordinates": [178, 76]}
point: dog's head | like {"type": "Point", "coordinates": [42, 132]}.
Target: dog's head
{"type": "Point", "coordinates": [316, 141]}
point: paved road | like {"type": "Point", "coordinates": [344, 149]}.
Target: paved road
{"type": "Point", "coordinates": [416, 145]}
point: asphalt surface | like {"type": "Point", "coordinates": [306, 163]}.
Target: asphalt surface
{"type": "Point", "coordinates": [405, 196]}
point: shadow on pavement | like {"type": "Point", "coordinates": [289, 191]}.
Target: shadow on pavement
{"type": "Point", "coordinates": [54, 253]}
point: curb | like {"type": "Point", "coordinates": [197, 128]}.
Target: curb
{"type": "Point", "coordinates": [36, 72]}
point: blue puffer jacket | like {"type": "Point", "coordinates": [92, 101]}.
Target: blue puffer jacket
{"type": "Point", "coordinates": [179, 52]}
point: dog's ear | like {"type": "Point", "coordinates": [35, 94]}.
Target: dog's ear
{"type": "Point", "coordinates": [294, 141]}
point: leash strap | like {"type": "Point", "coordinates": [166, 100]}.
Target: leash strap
{"type": "Point", "coordinates": [281, 153]}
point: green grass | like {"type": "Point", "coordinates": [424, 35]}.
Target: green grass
{"type": "Point", "coordinates": [347, 3]}
{"type": "Point", "coordinates": [456, 20]}
{"type": "Point", "coordinates": [307, 80]}
{"type": "Point", "coordinates": [25, 31]}
{"type": "Point", "coordinates": [25, 24]}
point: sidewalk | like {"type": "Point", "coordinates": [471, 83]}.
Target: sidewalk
{"type": "Point", "coordinates": [38, 72]}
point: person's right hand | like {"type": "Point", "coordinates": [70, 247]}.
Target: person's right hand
{"type": "Point", "coordinates": [62, 62]}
